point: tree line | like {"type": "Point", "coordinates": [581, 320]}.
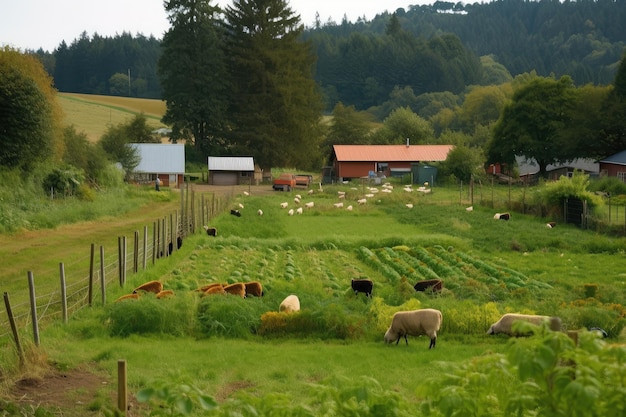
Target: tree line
{"type": "Point", "coordinates": [429, 48]}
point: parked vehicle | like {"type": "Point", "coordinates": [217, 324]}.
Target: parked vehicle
{"type": "Point", "coordinates": [285, 182]}
{"type": "Point", "coordinates": [303, 180]}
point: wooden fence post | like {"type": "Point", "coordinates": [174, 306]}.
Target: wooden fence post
{"type": "Point", "coordinates": [119, 260]}
{"type": "Point", "coordinates": [136, 252]}
{"type": "Point", "coordinates": [154, 241]}
{"type": "Point", "coordinates": [103, 281]}
{"type": "Point", "coordinates": [172, 234]}
{"type": "Point", "coordinates": [33, 307]}
{"type": "Point", "coordinates": [145, 247]}
{"type": "Point", "coordinates": [91, 267]}
{"type": "Point", "coordinates": [124, 258]}
{"type": "Point", "coordinates": [63, 292]}
{"type": "Point", "coordinates": [16, 335]}
{"type": "Point", "coordinates": [121, 386]}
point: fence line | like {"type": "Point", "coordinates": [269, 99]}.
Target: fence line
{"type": "Point", "coordinates": [144, 250]}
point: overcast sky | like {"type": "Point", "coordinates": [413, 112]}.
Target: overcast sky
{"type": "Point", "coordinates": [31, 24]}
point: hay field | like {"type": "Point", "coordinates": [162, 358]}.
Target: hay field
{"type": "Point", "coordinates": [92, 114]}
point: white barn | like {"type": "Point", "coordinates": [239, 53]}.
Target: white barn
{"type": "Point", "coordinates": [230, 170]}
{"type": "Point", "coordinates": [165, 161]}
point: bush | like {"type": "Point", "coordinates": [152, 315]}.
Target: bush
{"type": "Point", "coordinates": [229, 316]}
{"type": "Point", "coordinates": [149, 315]}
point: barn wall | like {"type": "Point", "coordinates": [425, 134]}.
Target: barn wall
{"type": "Point", "coordinates": [354, 169]}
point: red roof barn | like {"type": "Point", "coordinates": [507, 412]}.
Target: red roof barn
{"type": "Point", "coordinates": [356, 161]}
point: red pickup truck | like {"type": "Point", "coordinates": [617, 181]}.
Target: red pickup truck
{"type": "Point", "coordinates": [285, 182]}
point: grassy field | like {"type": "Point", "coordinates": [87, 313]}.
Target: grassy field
{"type": "Point", "coordinates": [92, 114]}
{"type": "Point", "coordinates": [489, 267]}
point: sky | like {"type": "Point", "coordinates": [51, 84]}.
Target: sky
{"type": "Point", "coordinates": [34, 24]}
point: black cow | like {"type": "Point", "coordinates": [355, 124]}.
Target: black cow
{"type": "Point", "coordinates": [235, 213]}
{"type": "Point", "coordinates": [211, 231]}
{"type": "Point", "coordinates": [362, 285]}
{"type": "Point", "coordinates": [434, 284]}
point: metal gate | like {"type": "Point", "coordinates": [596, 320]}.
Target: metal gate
{"type": "Point", "coordinates": [575, 211]}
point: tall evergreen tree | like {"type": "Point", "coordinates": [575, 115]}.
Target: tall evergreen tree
{"type": "Point", "coordinates": [193, 74]}
{"type": "Point", "coordinates": [275, 105]}
{"type": "Point", "coordinates": [612, 138]}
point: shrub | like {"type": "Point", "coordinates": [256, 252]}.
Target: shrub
{"type": "Point", "coordinates": [149, 315]}
{"type": "Point", "coordinates": [229, 316]}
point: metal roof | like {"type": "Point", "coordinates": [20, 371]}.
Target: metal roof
{"type": "Point", "coordinates": [530, 166]}
{"type": "Point", "coordinates": [231, 163]}
{"type": "Point", "coordinates": [390, 153]}
{"type": "Point", "coordinates": [160, 158]}
{"type": "Point", "coordinates": [617, 159]}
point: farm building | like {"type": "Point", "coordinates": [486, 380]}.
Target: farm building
{"type": "Point", "coordinates": [614, 166]}
{"type": "Point", "coordinates": [357, 161]}
{"type": "Point", "coordinates": [160, 160]}
{"type": "Point", "coordinates": [528, 169]}
{"type": "Point", "coordinates": [231, 170]}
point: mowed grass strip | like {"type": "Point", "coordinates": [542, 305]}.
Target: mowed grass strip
{"type": "Point", "coordinates": [93, 114]}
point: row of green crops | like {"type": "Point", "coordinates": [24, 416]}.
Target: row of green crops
{"type": "Point", "coordinates": [474, 296]}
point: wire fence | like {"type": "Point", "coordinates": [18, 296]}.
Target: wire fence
{"type": "Point", "coordinates": [88, 286]}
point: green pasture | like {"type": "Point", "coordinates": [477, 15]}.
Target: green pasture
{"type": "Point", "coordinates": [93, 114]}
{"type": "Point", "coordinates": [240, 349]}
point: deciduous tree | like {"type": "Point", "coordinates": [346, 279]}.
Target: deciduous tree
{"type": "Point", "coordinates": [533, 125]}
{"type": "Point", "coordinates": [30, 117]}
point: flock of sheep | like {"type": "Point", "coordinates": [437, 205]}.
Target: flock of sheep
{"type": "Point", "coordinates": [419, 322]}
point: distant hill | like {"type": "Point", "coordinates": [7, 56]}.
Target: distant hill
{"type": "Point", "coordinates": [92, 114]}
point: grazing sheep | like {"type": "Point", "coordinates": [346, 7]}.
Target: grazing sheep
{"type": "Point", "coordinates": [165, 294]}
{"type": "Point", "coordinates": [349, 208]}
{"type": "Point", "coordinates": [435, 285]}
{"type": "Point", "coordinates": [254, 288]}
{"type": "Point", "coordinates": [338, 205]}
{"type": "Point", "coordinates": [310, 204]}
{"type": "Point", "coordinates": [298, 196]}
{"type": "Point", "coordinates": [362, 285]}
{"type": "Point", "coordinates": [216, 289]}
{"type": "Point", "coordinates": [206, 287]}
{"type": "Point", "coordinates": [502, 216]}
{"type": "Point", "coordinates": [409, 205]}
{"type": "Point", "coordinates": [235, 213]}
{"type": "Point", "coordinates": [284, 205]}
{"type": "Point", "coordinates": [290, 212]}
{"type": "Point", "coordinates": [470, 208]}
{"type": "Point", "coordinates": [237, 288]}
{"type": "Point", "coordinates": [259, 212]}
{"type": "Point", "coordinates": [211, 231]}
{"type": "Point", "coordinates": [240, 205]}
{"type": "Point", "coordinates": [246, 193]}
{"type": "Point", "coordinates": [362, 201]}
{"type": "Point", "coordinates": [426, 321]}
{"type": "Point", "coordinates": [310, 192]}
{"type": "Point", "coordinates": [342, 196]}
{"type": "Point", "coordinates": [133, 296]}
{"type": "Point", "coordinates": [150, 286]}
{"type": "Point", "coordinates": [299, 210]}
{"type": "Point", "coordinates": [341, 192]}
{"type": "Point", "coordinates": [505, 324]}
{"type": "Point", "coordinates": [369, 195]}
{"type": "Point", "coordinates": [296, 200]}
{"type": "Point", "coordinates": [290, 304]}
{"type": "Point", "coordinates": [550, 225]}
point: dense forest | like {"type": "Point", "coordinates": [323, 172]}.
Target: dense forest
{"type": "Point", "coordinates": [440, 47]}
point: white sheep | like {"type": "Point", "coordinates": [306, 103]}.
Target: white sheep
{"type": "Point", "coordinates": [310, 204]}
{"type": "Point", "coordinates": [505, 324]}
{"type": "Point", "coordinates": [284, 205]}
{"type": "Point", "coordinates": [299, 210]}
{"type": "Point", "coordinates": [369, 195]}
{"type": "Point", "coordinates": [349, 208]}
{"type": "Point", "coordinates": [409, 205]}
{"type": "Point", "coordinates": [290, 212]}
{"type": "Point", "coordinates": [296, 200]}
{"type": "Point", "coordinates": [310, 192]}
{"type": "Point", "coordinates": [246, 193]}
{"type": "Point", "coordinates": [470, 208]}
{"type": "Point", "coordinates": [259, 212]}
{"type": "Point", "coordinates": [290, 304]}
{"type": "Point", "coordinates": [426, 321]}
{"type": "Point", "coordinates": [298, 196]}
{"type": "Point", "coordinates": [338, 205]}
{"type": "Point", "coordinates": [362, 201]}
{"type": "Point", "coordinates": [240, 205]}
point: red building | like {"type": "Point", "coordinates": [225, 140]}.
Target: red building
{"type": "Point", "coordinates": [356, 161]}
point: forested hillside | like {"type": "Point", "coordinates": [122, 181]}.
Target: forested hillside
{"type": "Point", "coordinates": [428, 48]}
